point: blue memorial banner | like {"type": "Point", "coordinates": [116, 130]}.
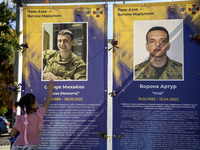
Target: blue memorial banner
{"type": "Point", "coordinates": [78, 108]}
{"type": "Point", "coordinates": [156, 76]}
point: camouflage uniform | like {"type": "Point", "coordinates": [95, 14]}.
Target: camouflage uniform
{"type": "Point", "coordinates": [146, 71]}
{"type": "Point", "coordinates": [72, 69]}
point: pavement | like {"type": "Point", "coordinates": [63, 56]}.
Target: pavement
{"type": "Point", "coordinates": [4, 141]}
{"type": "Point", "coordinates": [7, 147]}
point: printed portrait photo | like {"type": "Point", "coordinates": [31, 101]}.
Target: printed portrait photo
{"type": "Point", "coordinates": [158, 50]}
{"type": "Point", "coordinates": [65, 50]}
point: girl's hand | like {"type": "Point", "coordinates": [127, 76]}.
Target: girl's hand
{"type": "Point", "coordinates": [49, 94]}
{"type": "Point", "coordinates": [51, 85]}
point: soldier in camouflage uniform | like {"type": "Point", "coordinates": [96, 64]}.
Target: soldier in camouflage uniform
{"type": "Point", "coordinates": [159, 65]}
{"type": "Point", "coordinates": [63, 64]}
{"type": "Point", "coordinates": [145, 70]}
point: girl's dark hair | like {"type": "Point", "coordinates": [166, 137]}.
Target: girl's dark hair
{"type": "Point", "coordinates": [28, 100]}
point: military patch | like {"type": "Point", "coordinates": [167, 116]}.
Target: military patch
{"type": "Point", "coordinates": [194, 9]}
{"type": "Point", "coordinates": [97, 12]}
{"type": "Point", "coordinates": [78, 13]}
{"type": "Point", "coordinates": [172, 10]}
{"type": "Point", "coordinates": [182, 8]}
{"type": "Point", "coordinates": [88, 11]}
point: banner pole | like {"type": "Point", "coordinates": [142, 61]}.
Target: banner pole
{"type": "Point", "coordinates": [15, 94]}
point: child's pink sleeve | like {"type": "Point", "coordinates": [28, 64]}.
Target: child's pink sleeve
{"type": "Point", "coordinates": [40, 113]}
{"type": "Point", "coordinates": [18, 124]}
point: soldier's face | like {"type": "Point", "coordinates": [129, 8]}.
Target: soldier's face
{"type": "Point", "coordinates": [64, 43]}
{"type": "Point", "coordinates": [157, 44]}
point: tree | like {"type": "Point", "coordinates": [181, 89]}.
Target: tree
{"type": "Point", "coordinates": [8, 41]}
{"type": "Point", "coordinates": [7, 16]}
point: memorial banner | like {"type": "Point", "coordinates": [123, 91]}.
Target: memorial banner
{"type": "Point", "coordinates": [78, 106]}
{"type": "Point", "coordinates": [156, 76]}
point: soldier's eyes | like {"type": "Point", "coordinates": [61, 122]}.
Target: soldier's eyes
{"type": "Point", "coordinates": [64, 41]}
{"type": "Point", "coordinates": [164, 41]}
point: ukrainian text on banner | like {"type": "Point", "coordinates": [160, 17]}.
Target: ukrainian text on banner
{"type": "Point", "coordinates": [78, 107]}
{"type": "Point", "coordinates": [156, 76]}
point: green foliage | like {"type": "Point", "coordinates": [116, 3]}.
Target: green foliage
{"type": "Point", "coordinates": [7, 15]}
{"type": "Point", "coordinates": [7, 51]}
{"type": "Point", "coordinates": [8, 36]}
{"type": "Point", "coordinates": [6, 77]}
{"type": "Point", "coordinates": [8, 41]}
{"type": "Point", "coordinates": [3, 110]}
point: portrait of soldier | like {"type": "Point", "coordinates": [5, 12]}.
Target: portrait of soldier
{"type": "Point", "coordinates": [63, 64]}
{"type": "Point", "coordinates": [158, 65]}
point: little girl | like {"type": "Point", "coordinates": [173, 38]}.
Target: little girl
{"type": "Point", "coordinates": [30, 124]}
